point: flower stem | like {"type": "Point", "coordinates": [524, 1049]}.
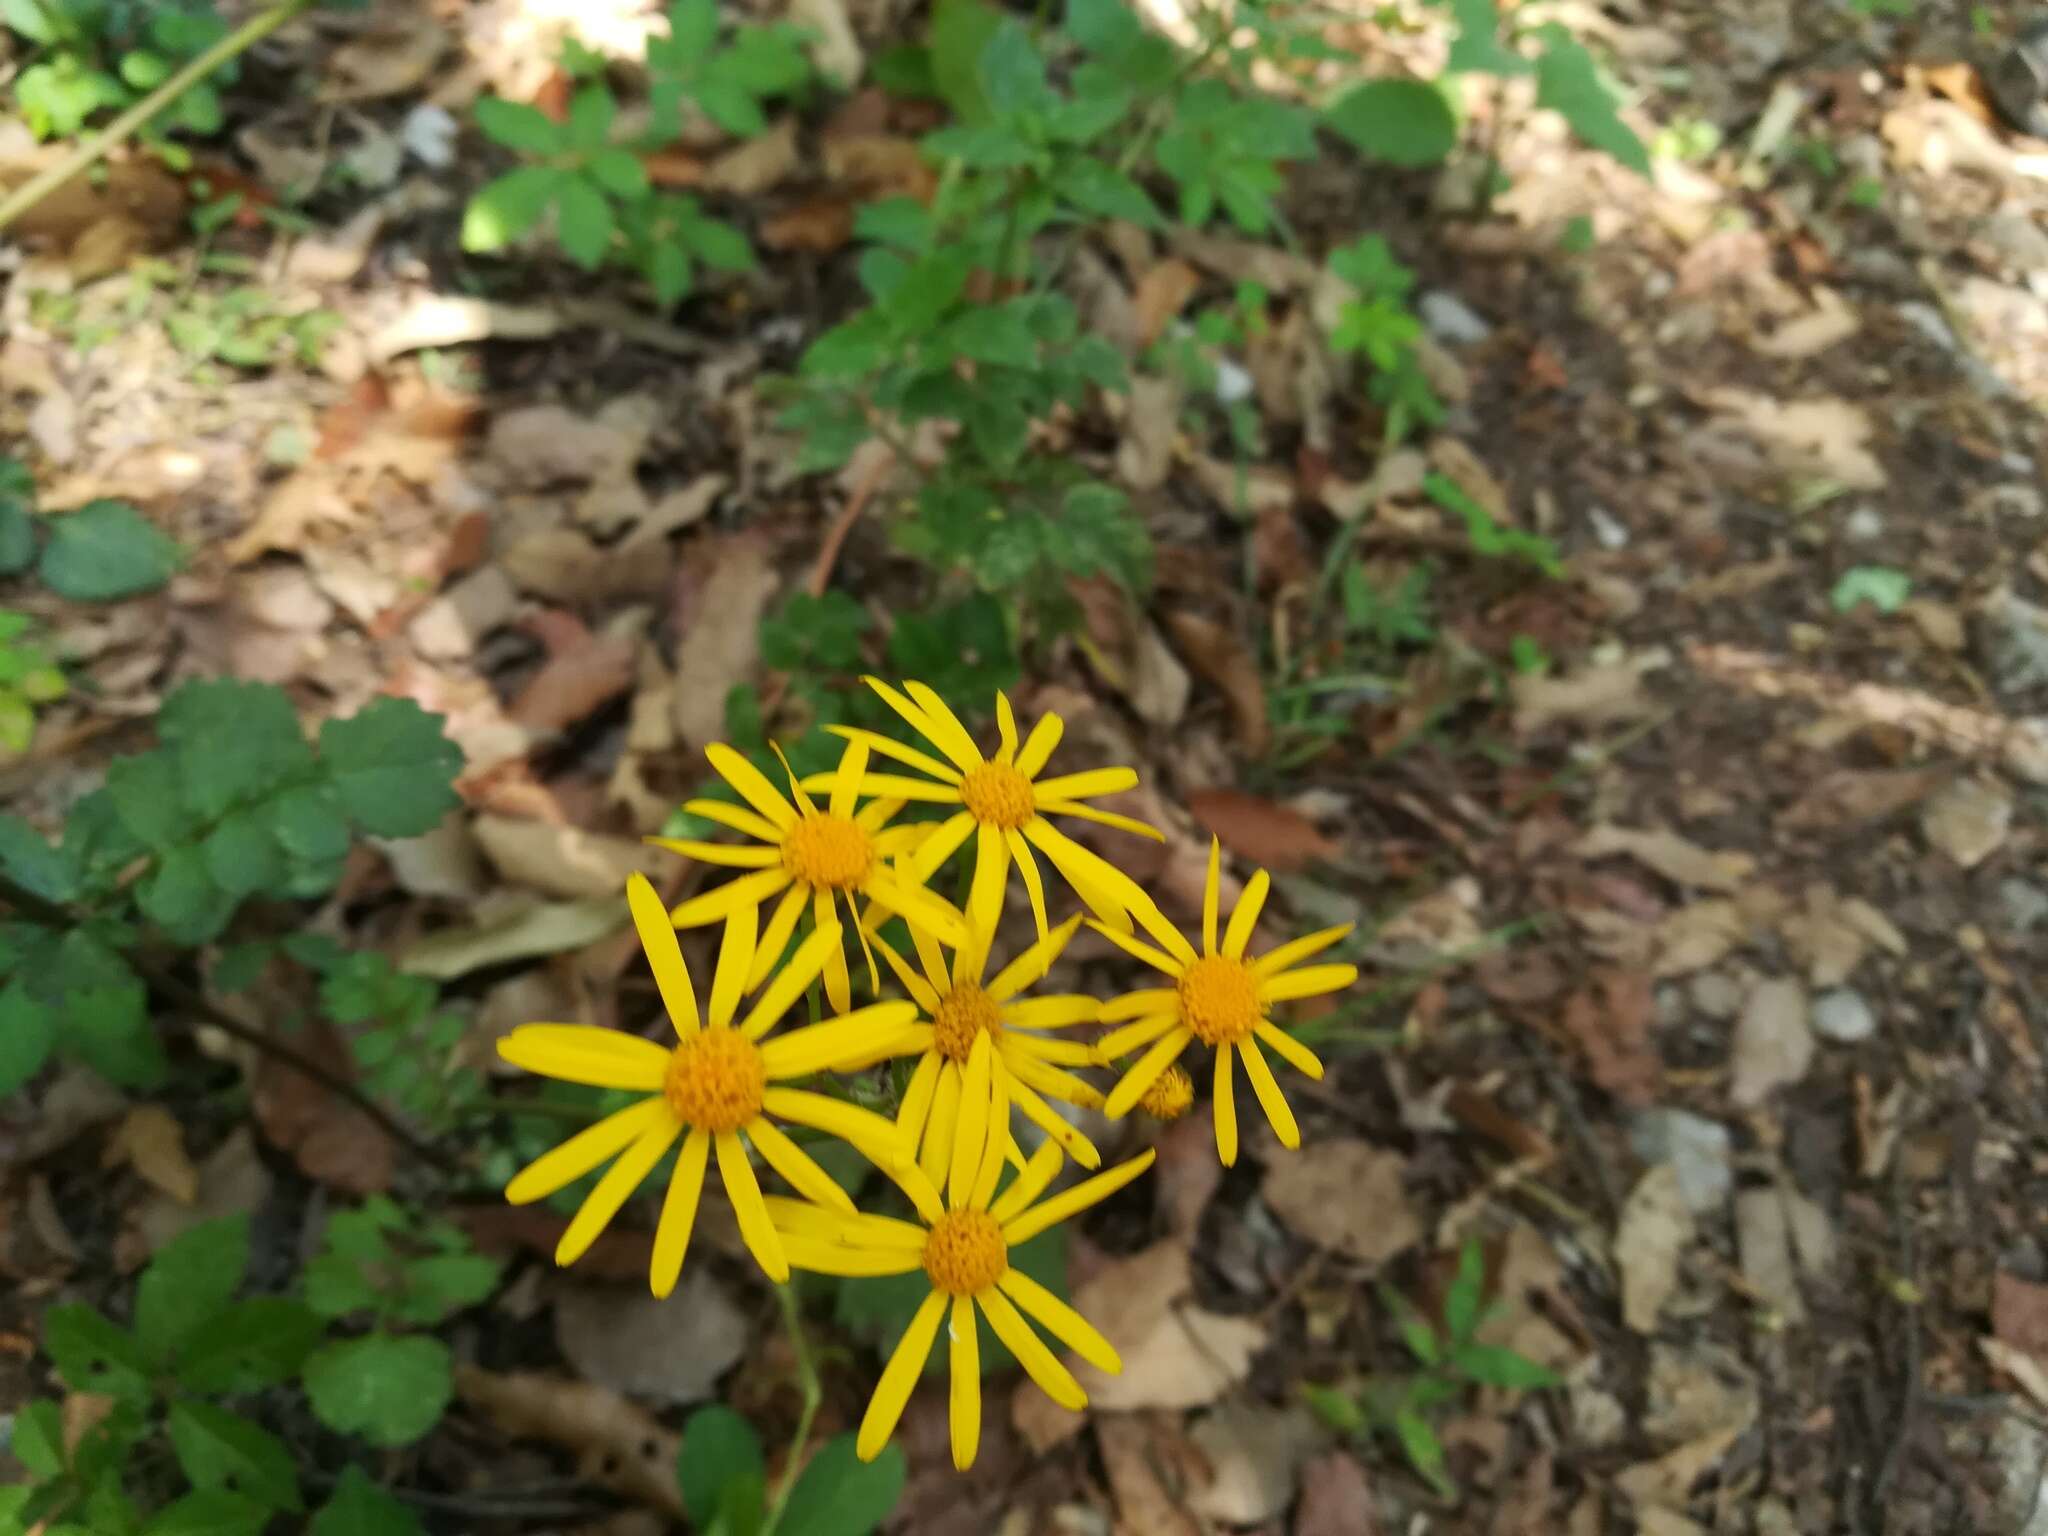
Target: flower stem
{"type": "Point", "coordinates": [92, 150]}
{"type": "Point", "coordinates": [814, 1394]}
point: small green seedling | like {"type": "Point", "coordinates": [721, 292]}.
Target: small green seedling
{"type": "Point", "coordinates": [28, 678]}
{"type": "Point", "coordinates": [1880, 586]}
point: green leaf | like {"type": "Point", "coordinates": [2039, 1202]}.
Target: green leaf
{"type": "Point", "coordinates": [727, 103]}
{"type": "Point", "coordinates": [38, 1441]}
{"type": "Point", "coordinates": [107, 1027]}
{"type": "Point", "coordinates": [1012, 73]}
{"type": "Point", "coordinates": [1337, 1409]}
{"type": "Point", "coordinates": [218, 1449]}
{"type": "Point", "coordinates": [999, 333]}
{"type": "Point", "coordinates": [1568, 82]}
{"type": "Point", "coordinates": [310, 824]}
{"type": "Point", "coordinates": [766, 61]}
{"type": "Point", "coordinates": [849, 350]}
{"type": "Point", "coordinates": [516, 125]}
{"type": "Point", "coordinates": [93, 1355]}
{"type": "Point", "coordinates": [17, 535]}
{"type": "Point", "coordinates": [389, 1389]}
{"type": "Point", "coordinates": [620, 172]}
{"type": "Point", "coordinates": [719, 1448]}
{"type": "Point", "coordinates": [251, 1345]}
{"type": "Point", "coordinates": [360, 1508]}
{"type": "Point", "coordinates": [717, 244]}
{"type": "Point", "coordinates": [32, 863]}
{"type": "Point", "coordinates": [590, 118]}
{"type": "Point", "coordinates": [440, 1286]}
{"type": "Point", "coordinates": [148, 793]}
{"type": "Point", "coordinates": [692, 28]}
{"type": "Point", "coordinates": [1883, 588]}
{"type": "Point", "coordinates": [841, 1495]}
{"type": "Point", "coordinates": [179, 896]}
{"type": "Point", "coordinates": [104, 551]}
{"type": "Point", "coordinates": [667, 269]}
{"type": "Point", "coordinates": [1461, 1305]}
{"type": "Point", "coordinates": [188, 1284]}
{"type": "Point", "coordinates": [961, 30]}
{"type": "Point", "coordinates": [1402, 122]}
{"type": "Point", "coordinates": [584, 222]}
{"type": "Point", "coordinates": [1096, 187]}
{"type": "Point", "coordinates": [243, 855]}
{"type": "Point", "coordinates": [209, 1512]}
{"type": "Point", "coordinates": [1495, 1366]}
{"type": "Point", "coordinates": [1478, 48]}
{"type": "Point", "coordinates": [28, 1028]}
{"type": "Point", "coordinates": [391, 767]}
{"type": "Point", "coordinates": [506, 208]}
{"type": "Point", "coordinates": [898, 221]}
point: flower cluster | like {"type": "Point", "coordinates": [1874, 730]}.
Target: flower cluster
{"type": "Point", "coordinates": [981, 1046]}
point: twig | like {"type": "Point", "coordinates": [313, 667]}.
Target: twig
{"type": "Point", "coordinates": [814, 1394]}
{"type": "Point", "coordinates": [94, 149]}
{"type": "Point", "coordinates": [49, 914]}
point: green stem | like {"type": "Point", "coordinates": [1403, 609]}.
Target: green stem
{"type": "Point", "coordinates": [814, 1394]}
{"type": "Point", "coordinates": [92, 150]}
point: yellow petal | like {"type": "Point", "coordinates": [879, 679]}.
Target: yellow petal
{"type": "Point", "coordinates": [1132, 1085]}
{"type": "Point", "coordinates": [850, 1263]}
{"type": "Point", "coordinates": [874, 1138]}
{"type": "Point", "coordinates": [1309, 981]}
{"type": "Point", "coordinates": [1085, 785]}
{"type": "Point", "coordinates": [918, 907]}
{"type": "Point", "coordinates": [1138, 949]}
{"type": "Point", "coordinates": [896, 786]}
{"type": "Point", "coordinates": [1069, 1202]}
{"type": "Point", "coordinates": [1034, 888]}
{"type": "Point", "coordinates": [1278, 1115]}
{"type": "Point", "coordinates": [838, 982]}
{"type": "Point", "coordinates": [1061, 1321]}
{"type": "Point", "coordinates": [1033, 963]}
{"type": "Point", "coordinates": [1058, 1053]}
{"type": "Point", "coordinates": [1136, 1005]}
{"type": "Point", "coordinates": [791, 981]}
{"type": "Point", "coordinates": [1006, 727]}
{"type": "Point", "coordinates": [1139, 1032]}
{"type": "Point", "coordinates": [1100, 817]}
{"type": "Point", "coordinates": [916, 1107]}
{"type": "Point", "coordinates": [965, 1399]}
{"type": "Point", "coordinates": [991, 870]}
{"type": "Point", "coordinates": [592, 1145]}
{"type": "Point", "coordinates": [939, 845]}
{"type": "Point", "coordinates": [920, 990]}
{"type": "Point", "coordinates": [1226, 1109]}
{"type": "Point", "coordinates": [899, 1377]}
{"type": "Point", "coordinates": [954, 743]}
{"type": "Point", "coordinates": [1164, 934]}
{"type": "Point", "coordinates": [1289, 1049]}
{"type": "Point", "coordinates": [583, 1053]}
{"type": "Point", "coordinates": [619, 1182]}
{"type": "Point", "coordinates": [741, 1188]}
{"type": "Point", "coordinates": [1031, 1182]}
{"type": "Point", "coordinates": [910, 757]}
{"type": "Point", "coordinates": [728, 854]}
{"type": "Point", "coordinates": [1110, 893]}
{"type": "Point", "coordinates": [1060, 1135]}
{"type": "Point", "coordinates": [1037, 749]}
{"type": "Point", "coordinates": [971, 1128]}
{"type": "Point", "coordinates": [953, 739]}
{"type": "Point", "coordinates": [735, 959]}
{"type": "Point", "coordinates": [1056, 1084]}
{"type": "Point", "coordinates": [748, 890]}
{"type": "Point", "coordinates": [775, 937]}
{"type": "Point", "coordinates": [679, 1213]}
{"type": "Point", "coordinates": [1212, 895]}
{"type": "Point", "coordinates": [1040, 1364]}
{"type": "Point", "coordinates": [996, 1146]}
{"type": "Point", "coordinates": [853, 763]}
{"type": "Point", "coordinates": [664, 953]}
{"type": "Point", "coordinates": [1062, 1011]}
{"type": "Point", "coordinates": [1245, 915]}
{"type": "Point", "coordinates": [866, 1032]}
{"type": "Point", "coordinates": [937, 1154]}
{"type": "Point", "coordinates": [736, 817]}
{"type": "Point", "coordinates": [752, 784]}
{"type": "Point", "coordinates": [796, 1165]}
{"type": "Point", "coordinates": [933, 959]}
{"type": "Point", "coordinates": [1274, 961]}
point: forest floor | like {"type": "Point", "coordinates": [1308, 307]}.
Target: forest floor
{"type": "Point", "coordinates": [1704, 882]}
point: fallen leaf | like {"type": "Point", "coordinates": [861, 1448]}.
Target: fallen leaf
{"type": "Point", "coordinates": [1667, 854]}
{"type": "Point", "coordinates": [1773, 1044]}
{"type": "Point", "coordinates": [1151, 426]}
{"type": "Point", "coordinates": [720, 646]}
{"type": "Point", "coordinates": [561, 861]}
{"type": "Point", "coordinates": [835, 51]}
{"type": "Point", "coordinates": [387, 60]}
{"type": "Point", "coordinates": [1271, 835]}
{"type": "Point", "coordinates": [1654, 1229]}
{"type": "Point", "coordinates": [76, 1101]}
{"type": "Point", "coordinates": [1434, 929]}
{"type": "Point", "coordinates": [1223, 659]}
{"type": "Point", "coordinates": [150, 1141]}
{"type": "Point", "coordinates": [1609, 1021]}
{"type": "Point", "coordinates": [876, 166]}
{"type": "Point", "coordinates": [619, 1445]}
{"type": "Point", "coordinates": [755, 165]}
{"type": "Point", "coordinates": [1127, 651]}
{"type": "Point", "coordinates": [451, 626]}
{"type": "Point", "coordinates": [513, 930]}
{"type": "Point", "coordinates": [1175, 1354]}
{"type": "Point", "coordinates": [1254, 1455]}
{"type": "Point", "coordinates": [232, 1182]}
{"type": "Point", "coordinates": [1528, 1291]}
{"type": "Point", "coordinates": [1605, 693]}
{"type": "Point", "coordinates": [1162, 293]}
{"type": "Point", "coordinates": [449, 320]}
{"type": "Point", "coordinates": [1666, 1483]}
{"type": "Point", "coordinates": [1763, 1243]}
{"type": "Point", "coordinates": [621, 1337]}
{"type": "Point", "coordinates": [1967, 819]}
{"type": "Point", "coordinates": [2019, 1314]}
{"type": "Point", "coordinates": [1336, 1499]}
{"type": "Point", "coordinates": [1817, 436]}
{"type": "Point", "coordinates": [574, 684]}
{"type": "Point", "coordinates": [1697, 936]}
{"type": "Point", "coordinates": [1849, 800]}
{"type": "Point", "coordinates": [1695, 1390]}
{"type": "Point", "coordinates": [1345, 1195]}
{"type": "Point", "coordinates": [2025, 1369]}
{"type": "Point", "coordinates": [1135, 1448]}
{"type": "Point", "coordinates": [1832, 320]}
{"type": "Point", "coordinates": [332, 1141]}
{"type": "Point", "coordinates": [820, 224]}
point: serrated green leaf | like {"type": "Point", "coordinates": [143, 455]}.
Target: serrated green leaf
{"type": "Point", "coordinates": [992, 333]}
{"type": "Point", "coordinates": [850, 350]}
{"type": "Point", "coordinates": [106, 1026]}
{"type": "Point", "coordinates": [180, 896]}
{"type": "Point", "coordinates": [1568, 82]}
{"type": "Point", "coordinates": [898, 221]}
{"type": "Point", "coordinates": [668, 272]}
{"type": "Point", "coordinates": [28, 1028]}
{"type": "Point", "coordinates": [93, 1355]}
{"type": "Point", "coordinates": [148, 793]}
{"type": "Point", "coordinates": [243, 855]}
{"type": "Point", "coordinates": [31, 862]}
{"type": "Point", "coordinates": [220, 1450]}
{"type": "Point", "coordinates": [516, 125]}
{"type": "Point", "coordinates": [591, 112]}
{"type": "Point", "coordinates": [391, 767]}
{"type": "Point", "coordinates": [1011, 73]}
{"type": "Point", "coordinates": [360, 1508]}
{"type": "Point", "coordinates": [1099, 188]}
{"type": "Point", "coordinates": [727, 103]}
{"type": "Point", "coordinates": [390, 1389]}
{"type": "Point", "coordinates": [38, 1439]}
{"type": "Point", "coordinates": [766, 60]}
{"type": "Point", "coordinates": [717, 244]}
{"type": "Point", "coordinates": [104, 551]}
{"type": "Point", "coordinates": [838, 1494]}
{"type": "Point", "coordinates": [506, 208]}
{"type": "Point", "coordinates": [620, 172]}
{"type": "Point", "coordinates": [1401, 122]}
{"type": "Point", "coordinates": [234, 740]}
{"type": "Point", "coordinates": [248, 1346]}
{"type": "Point", "coordinates": [188, 1284]}
{"type": "Point", "coordinates": [209, 1512]}
{"type": "Point", "coordinates": [310, 824]}
{"type": "Point", "coordinates": [719, 1448]}
{"type": "Point", "coordinates": [584, 222]}
{"type": "Point", "coordinates": [960, 32]}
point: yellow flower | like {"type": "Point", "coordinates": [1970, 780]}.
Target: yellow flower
{"type": "Point", "coordinates": [1171, 1095]}
{"type": "Point", "coordinates": [962, 1010]}
{"type": "Point", "coordinates": [1219, 997]}
{"type": "Point", "coordinates": [719, 1082]}
{"type": "Point", "coordinates": [1003, 804]}
{"type": "Point", "coordinates": [964, 1250]}
{"type": "Point", "coordinates": [807, 854]}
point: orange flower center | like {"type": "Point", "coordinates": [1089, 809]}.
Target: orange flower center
{"type": "Point", "coordinates": [1169, 1097]}
{"type": "Point", "coordinates": [963, 1013]}
{"type": "Point", "coordinates": [965, 1253]}
{"type": "Point", "coordinates": [715, 1080]}
{"type": "Point", "coordinates": [998, 796]}
{"type": "Point", "coordinates": [827, 852]}
{"type": "Point", "coordinates": [1219, 999]}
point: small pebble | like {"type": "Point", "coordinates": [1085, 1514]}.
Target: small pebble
{"type": "Point", "coordinates": [1843, 1016]}
{"type": "Point", "coordinates": [1450, 319]}
{"type": "Point", "coordinates": [1697, 1148]}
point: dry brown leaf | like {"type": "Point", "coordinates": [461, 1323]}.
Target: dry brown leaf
{"type": "Point", "coordinates": [1528, 1291]}
{"type": "Point", "coordinates": [820, 224]}
{"type": "Point", "coordinates": [756, 165]}
{"type": "Point", "coordinates": [1667, 854]}
{"type": "Point", "coordinates": [621, 1337]}
{"type": "Point", "coordinates": [721, 635]}
{"type": "Point", "coordinates": [1832, 319]}
{"type": "Point", "coordinates": [1129, 654]}
{"type": "Point", "coordinates": [1162, 293]}
{"type": "Point", "coordinates": [1666, 1483]}
{"type": "Point", "coordinates": [1135, 1449]}
{"type": "Point", "coordinates": [1818, 436]}
{"type": "Point", "coordinates": [1764, 1244]}
{"type": "Point", "coordinates": [331, 1140]}
{"type": "Point", "coordinates": [1175, 1354]}
{"type": "Point", "coordinates": [1697, 936]}
{"type": "Point", "coordinates": [1607, 693]}
{"type": "Point", "coordinates": [232, 1182]}
{"type": "Point", "coordinates": [1221, 656]}
{"type": "Point", "coordinates": [515, 929]}
{"type": "Point", "coordinates": [1774, 1042]}
{"type": "Point", "coordinates": [150, 1141]}
{"type": "Point", "coordinates": [131, 191]}
{"type": "Point", "coordinates": [1609, 1021]}
{"type": "Point", "coordinates": [562, 861]}
{"type": "Point", "coordinates": [1654, 1229]}
{"type": "Point", "coordinates": [1336, 1499]}
{"type": "Point", "coordinates": [619, 1445]}
{"type": "Point", "coordinates": [1253, 1457]}
{"type": "Point", "coordinates": [575, 684]}
{"type": "Point", "coordinates": [2019, 1314]}
{"type": "Point", "coordinates": [1968, 819]}
{"type": "Point", "coordinates": [1271, 835]}
{"type": "Point", "coordinates": [388, 60]}
{"type": "Point", "coordinates": [1345, 1195]}
{"type": "Point", "coordinates": [2025, 1369]}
